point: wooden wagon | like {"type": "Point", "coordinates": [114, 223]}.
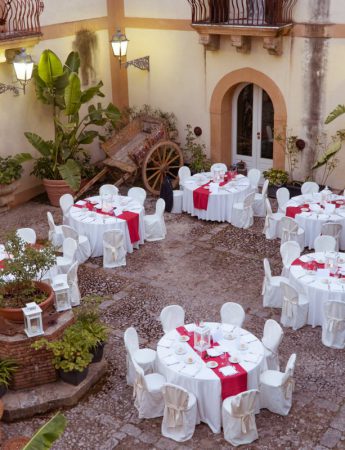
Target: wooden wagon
{"type": "Point", "coordinates": [142, 145]}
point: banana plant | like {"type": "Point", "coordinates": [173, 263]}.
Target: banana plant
{"type": "Point", "coordinates": [59, 86]}
{"type": "Point", "coordinates": [44, 438]}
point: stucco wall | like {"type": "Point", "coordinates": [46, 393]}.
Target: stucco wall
{"type": "Point", "coordinates": [60, 11]}
{"type": "Point", "coordinates": [168, 9]}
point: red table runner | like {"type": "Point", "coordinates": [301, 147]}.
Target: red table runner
{"type": "Point", "coordinates": [2, 264]}
{"type": "Point", "coordinates": [314, 265]}
{"type": "Point", "coordinates": [231, 384]}
{"type": "Point", "coordinates": [130, 217]}
{"type": "Point", "coordinates": [200, 194]}
{"type": "Point", "coordinates": [292, 211]}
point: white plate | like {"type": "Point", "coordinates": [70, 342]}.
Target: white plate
{"type": "Point", "coordinates": [211, 364]}
{"type": "Point", "coordinates": [305, 209]}
{"type": "Point", "coordinates": [180, 351]}
{"type": "Point", "coordinates": [234, 360]}
{"type": "Point", "coordinates": [229, 336]}
{"type": "Point", "coordinates": [243, 347]}
{"type": "Point", "coordinates": [184, 338]}
{"type": "Point", "coordinates": [189, 360]}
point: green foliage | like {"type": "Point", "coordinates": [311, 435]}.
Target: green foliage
{"type": "Point", "coordinates": [7, 369]}
{"type": "Point", "coordinates": [10, 169]}
{"type": "Point", "coordinates": [59, 86]}
{"type": "Point", "coordinates": [88, 320]}
{"type": "Point", "coordinates": [326, 154]}
{"type": "Point", "coordinates": [44, 438]}
{"type": "Point", "coordinates": [276, 177]}
{"type": "Point", "coordinates": [195, 152]}
{"type": "Point", "coordinates": [338, 111]}
{"type": "Point", "coordinates": [288, 143]}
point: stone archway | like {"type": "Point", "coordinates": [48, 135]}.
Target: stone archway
{"type": "Point", "coordinates": [220, 113]}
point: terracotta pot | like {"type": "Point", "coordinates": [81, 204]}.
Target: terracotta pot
{"type": "Point", "coordinates": [7, 193]}
{"type": "Point", "coordinates": [17, 443]}
{"type": "Point", "coordinates": [16, 314]}
{"type": "Point", "coordinates": [55, 189]}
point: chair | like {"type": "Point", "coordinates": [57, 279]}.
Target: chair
{"type": "Point", "coordinates": [271, 292]}
{"type": "Point", "coordinates": [155, 229]}
{"type": "Point", "coordinates": [55, 234]}
{"type": "Point", "coordinates": [183, 173]}
{"type": "Point", "coordinates": [138, 194]}
{"type": "Point", "coordinates": [254, 176]}
{"type": "Point", "coordinates": [180, 413]}
{"type": "Point", "coordinates": [289, 251]}
{"type": "Point", "coordinates": [108, 189]}
{"type": "Point", "coordinates": [177, 202]}
{"type": "Point", "coordinates": [147, 393]}
{"type": "Point", "coordinates": [144, 357]}
{"type": "Point", "coordinates": [242, 212]}
{"type": "Point", "coordinates": [309, 187]}
{"type": "Point", "coordinates": [332, 229]}
{"type": "Point", "coordinates": [66, 202]}
{"type": "Point", "coordinates": [114, 252]}
{"type": "Point", "coordinates": [171, 317]}
{"type": "Point", "coordinates": [232, 314]}
{"type": "Point", "coordinates": [28, 235]}
{"type": "Point", "coordinates": [69, 249]}
{"type": "Point", "coordinates": [259, 205]}
{"type": "Point", "coordinates": [238, 418]}
{"type": "Point", "coordinates": [283, 196]}
{"type": "Point", "coordinates": [276, 388]}
{"type": "Point", "coordinates": [290, 231]}
{"type": "Point", "coordinates": [325, 244]}
{"type": "Point", "coordinates": [83, 244]}
{"type": "Point", "coordinates": [295, 307]}
{"type": "Point", "coordinates": [271, 339]}
{"type": "Point", "coordinates": [71, 279]}
{"type": "Point", "coordinates": [333, 326]}
{"type": "Point", "coordinates": [272, 222]}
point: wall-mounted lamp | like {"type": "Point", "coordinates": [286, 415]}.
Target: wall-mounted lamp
{"type": "Point", "coordinates": [23, 67]}
{"type": "Point", "coordinates": [119, 43]}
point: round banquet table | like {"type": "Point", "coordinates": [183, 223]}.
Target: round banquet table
{"type": "Point", "coordinates": [311, 222]}
{"type": "Point", "coordinates": [203, 382]}
{"type": "Point", "coordinates": [220, 204]}
{"type": "Point", "coordinates": [94, 224]}
{"type": "Point", "coordinates": [318, 289]}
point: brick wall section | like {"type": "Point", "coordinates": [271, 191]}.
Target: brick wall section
{"type": "Point", "coordinates": [35, 366]}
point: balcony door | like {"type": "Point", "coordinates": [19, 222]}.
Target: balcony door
{"type": "Point", "coordinates": [252, 127]}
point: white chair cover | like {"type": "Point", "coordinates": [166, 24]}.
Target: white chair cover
{"type": "Point", "coordinates": [148, 398]}
{"type": "Point", "coordinates": [55, 234]}
{"type": "Point", "coordinates": [272, 337]}
{"type": "Point", "coordinates": [289, 251]}
{"type": "Point", "coordinates": [155, 229]}
{"type": "Point", "coordinates": [325, 244]}
{"type": "Point", "coordinates": [290, 231]}
{"type": "Point", "coordinates": [276, 388]}
{"type": "Point", "coordinates": [171, 317]}
{"type": "Point", "coordinates": [272, 222]}
{"type": "Point", "coordinates": [309, 187]}
{"type": "Point", "coordinates": [218, 166]}
{"type": "Point", "coordinates": [108, 189]}
{"type": "Point", "coordinates": [83, 244]}
{"type": "Point", "coordinates": [332, 229]}
{"type": "Point", "coordinates": [283, 196]}
{"type": "Point", "coordinates": [180, 413]}
{"type": "Point", "coordinates": [259, 205]}
{"type": "Point", "coordinates": [333, 327]}
{"type": "Point", "coordinates": [28, 235]}
{"type": "Point", "coordinates": [144, 357]}
{"type": "Point", "coordinates": [178, 202]}
{"type": "Point", "coordinates": [254, 176]}
{"type": "Point", "coordinates": [66, 202]}
{"type": "Point", "coordinates": [114, 252]}
{"type": "Point", "coordinates": [69, 249]}
{"type": "Point", "coordinates": [72, 281]}
{"type": "Point", "coordinates": [295, 307]}
{"type": "Point", "coordinates": [242, 212]}
{"type": "Point", "coordinates": [183, 173]}
{"type": "Point", "coordinates": [138, 194]}
{"type": "Point", "coordinates": [271, 292]}
{"type": "Point", "coordinates": [232, 314]}
{"type": "Point", "coordinates": [238, 414]}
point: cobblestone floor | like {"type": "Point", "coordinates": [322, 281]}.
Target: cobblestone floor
{"type": "Point", "coordinates": [200, 266]}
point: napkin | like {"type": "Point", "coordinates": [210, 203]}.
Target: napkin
{"type": "Point", "coordinates": [164, 343]}
{"type": "Point", "coordinates": [305, 258]}
{"type": "Point", "coordinates": [190, 369]}
{"type": "Point", "coordinates": [171, 360]}
{"type": "Point", "coordinates": [216, 351]}
{"type": "Point", "coordinates": [228, 370]}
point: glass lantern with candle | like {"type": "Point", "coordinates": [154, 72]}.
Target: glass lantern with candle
{"type": "Point", "coordinates": [62, 297]}
{"type": "Point", "coordinates": [202, 337]}
{"type": "Point", "coordinates": [33, 320]}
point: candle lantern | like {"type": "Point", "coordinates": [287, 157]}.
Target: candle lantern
{"type": "Point", "coordinates": [202, 337]}
{"type": "Point", "coordinates": [62, 297]}
{"type": "Point", "coordinates": [33, 320]}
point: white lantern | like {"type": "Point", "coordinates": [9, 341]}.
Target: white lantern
{"type": "Point", "coordinates": [119, 43]}
{"type": "Point", "coordinates": [202, 337]}
{"type": "Point", "coordinates": [23, 67]}
{"type": "Point", "coordinates": [62, 297]}
{"type": "Point", "coordinates": [33, 320]}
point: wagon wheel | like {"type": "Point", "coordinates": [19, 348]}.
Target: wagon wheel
{"type": "Point", "coordinates": [164, 158]}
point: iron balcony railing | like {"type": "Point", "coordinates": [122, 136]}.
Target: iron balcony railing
{"type": "Point", "coordinates": [20, 18]}
{"type": "Point", "coordinates": [260, 13]}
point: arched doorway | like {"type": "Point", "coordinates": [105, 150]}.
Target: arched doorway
{"type": "Point", "coordinates": [221, 113]}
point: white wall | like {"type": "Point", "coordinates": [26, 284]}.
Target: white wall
{"type": "Point", "coordinates": [163, 9]}
{"type": "Point", "coordinates": [60, 11]}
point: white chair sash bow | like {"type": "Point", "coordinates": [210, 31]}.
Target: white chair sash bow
{"type": "Point", "coordinates": [174, 414]}
{"type": "Point", "coordinates": [247, 421]}
{"type": "Point", "coordinates": [288, 306]}
{"type": "Point", "coordinates": [288, 388]}
{"type": "Point", "coordinates": [334, 324]}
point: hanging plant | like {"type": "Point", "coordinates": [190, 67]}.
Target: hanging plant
{"type": "Point", "coordinates": [86, 44]}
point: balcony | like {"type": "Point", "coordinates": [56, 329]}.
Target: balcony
{"type": "Point", "coordinates": [242, 20]}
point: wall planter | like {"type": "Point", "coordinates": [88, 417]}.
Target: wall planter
{"type": "Point", "coordinates": [98, 353]}
{"type": "Point", "coordinates": [74, 376]}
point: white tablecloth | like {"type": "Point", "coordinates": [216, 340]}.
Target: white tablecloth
{"type": "Point", "coordinates": [315, 287]}
{"type": "Point", "coordinates": [220, 204]}
{"type": "Point", "coordinates": [312, 222]}
{"type": "Point", "coordinates": [94, 227]}
{"type": "Point", "coordinates": [206, 385]}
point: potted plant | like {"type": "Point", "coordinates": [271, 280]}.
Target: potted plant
{"type": "Point", "coordinates": [7, 369]}
{"type": "Point", "coordinates": [64, 161]}
{"type": "Point", "coordinates": [88, 320]}
{"type": "Point", "coordinates": [10, 172]}
{"type": "Point", "coordinates": [277, 178]}
{"type": "Point", "coordinates": [20, 281]}
{"type": "Point", "coordinates": [195, 153]}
